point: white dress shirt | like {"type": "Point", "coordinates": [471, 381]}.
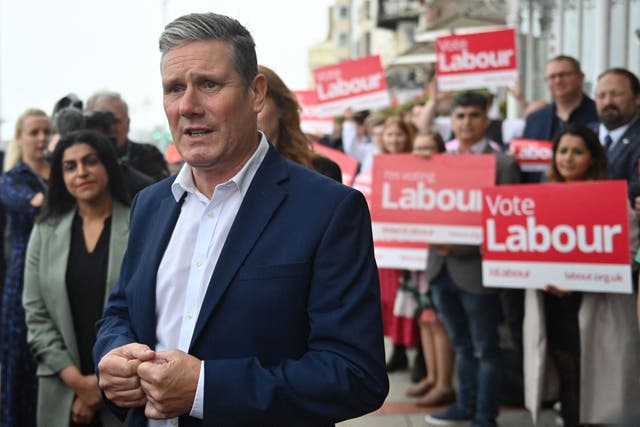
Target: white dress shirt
{"type": "Point", "coordinates": [191, 256]}
{"type": "Point", "coordinates": [615, 134]}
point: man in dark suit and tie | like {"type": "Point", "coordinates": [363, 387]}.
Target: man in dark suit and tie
{"type": "Point", "coordinates": [249, 294]}
{"type": "Point", "coordinates": [617, 97]}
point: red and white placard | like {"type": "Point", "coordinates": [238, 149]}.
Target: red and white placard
{"type": "Point", "coordinates": [359, 84]}
{"type": "Point", "coordinates": [407, 255]}
{"type": "Point", "coordinates": [476, 60]}
{"type": "Point", "coordinates": [392, 254]}
{"type": "Point", "coordinates": [436, 200]}
{"type": "Point", "coordinates": [348, 165]}
{"type": "Point", "coordinates": [532, 155]}
{"type": "Point", "coordinates": [310, 119]}
{"type": "Point", "coordinates": [574, 236]}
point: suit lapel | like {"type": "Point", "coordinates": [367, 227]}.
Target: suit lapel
{"type": "Point", "coordinates": [117, 244]}
{"type": "Point", "coordinates": [59, 251]}
{"type": "Point", "coordinates": [164, 217]}
{"type": "Point", "coordinates": [626, 142]}
{"type": "Point", "coordinates": [259, 204]}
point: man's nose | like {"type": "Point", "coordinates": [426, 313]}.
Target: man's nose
{"type": "Point", "coordinates": [190, 103]}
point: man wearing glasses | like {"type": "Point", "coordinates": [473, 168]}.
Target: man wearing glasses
{"type": "Point", "coordinates": [570, 104]}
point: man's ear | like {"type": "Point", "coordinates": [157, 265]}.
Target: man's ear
{"type": "Point", "coordinates": [258, 92]}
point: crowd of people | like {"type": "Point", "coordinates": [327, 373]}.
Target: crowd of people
{"type": "Point", "coordinates": [551, 352]}
{"type": "Point", "coordinates": [244, 291]}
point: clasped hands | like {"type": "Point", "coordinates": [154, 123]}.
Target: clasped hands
{"type": "Point", "coordinates": [164, 382]}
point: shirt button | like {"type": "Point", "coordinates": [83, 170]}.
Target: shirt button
{"type": "Point", "coordinates": [210, 214]}
{"type": "Point", "coordinates": [174, 422]}
{"type": "Point", "coordinates": [198, 263]}
{"type": "Point", "coordinates": [190, 314]}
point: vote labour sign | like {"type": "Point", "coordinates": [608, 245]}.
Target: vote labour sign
{"type": "Point", "coordinates": [404, 255]}
{"type": "Point", "coordinates": [476, 60]}
{"type": "Point", "coordinates": [392, 254]}
{"type": "Point", "coordinates": [531, 154]}
{"type": "Point", "coordinates": [310, 120]}
{"type": "Point", "coordinates": [359, 84]}
{"type": "Point", "coordinates": [572, 235]}
{"type": "Point", "coordinates": [436, 200]}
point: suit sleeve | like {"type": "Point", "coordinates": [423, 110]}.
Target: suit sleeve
{"type": "Point", "coordinates": [342, 374]}
{"type": "Point", "coordinates": [632, 175]}
{"type": "Point", "coordinates": [114, 328]}
{"type": "Point", "coordinates": [508, 170]}
{"type": "Point", "coordinates": [44, 337]}
{"type": "Point", "coordinates": [16, 195]}
{"type": "Point", "coordinates": [148, 159]}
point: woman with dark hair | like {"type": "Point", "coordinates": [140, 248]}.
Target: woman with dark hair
{"type": "Point", "coordinates": [73, 261]}
{"type": "Point", "coordinates": [22, 189]}
{"type": "Point", "coordinates": [280, 121]}
{"type": "Point", "coordinates": [590, 148]}
{"type": "Point", "coordinates": [590, 338]}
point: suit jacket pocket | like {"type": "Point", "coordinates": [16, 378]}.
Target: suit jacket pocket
{"type": "Point", "coordinates": [276, 271]}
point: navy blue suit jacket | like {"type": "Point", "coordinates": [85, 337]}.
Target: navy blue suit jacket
{"type": "Point", "coordinates": [543, 123]}
{"type": "Point", "coordinates": [290, 328]}
{"type": "Point", "coordinates": [623, 157]}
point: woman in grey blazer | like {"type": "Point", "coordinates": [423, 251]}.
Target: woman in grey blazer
{"type": "Point", "coordinates": [73, 260]}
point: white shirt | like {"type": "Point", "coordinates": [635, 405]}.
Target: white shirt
{"type": "Point", "coordinates": [360, 149]}
{"type": "Point", "coordinates": [615, 134]}
{"type": "Point", "coordinates": [191, 256]}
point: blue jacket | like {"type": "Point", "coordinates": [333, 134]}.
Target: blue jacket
{"type": "Point", "coordinates": [544, 123]}
{"type": "Point", "coordinates": [290, 329]}
{"type": "Point", "coordinates": [623, 157]}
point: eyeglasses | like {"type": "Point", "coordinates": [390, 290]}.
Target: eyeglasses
{"type": "Point", "coordinates": [560, 76]}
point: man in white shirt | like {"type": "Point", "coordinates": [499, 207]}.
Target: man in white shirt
{"type": "Point", "coordinates": [249, 293]}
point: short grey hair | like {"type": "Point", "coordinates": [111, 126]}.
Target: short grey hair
{"type": "Point", "coordinates": [107, 96]}
{"type": "Point", "coordinates": [212, 26]}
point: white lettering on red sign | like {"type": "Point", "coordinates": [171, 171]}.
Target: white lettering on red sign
{"type": "Point", "coordinates": [535, 153]}
{"type": "Point", "coordinates": [422, 198]}
{"type": "Point", "coordinates": [452, 45]}
{"type": "Point", "coordinates": [483, 60]}
{"type": "Point", "coordinates": [562, 238]}
{"type": "Point", "coordinates": [354, 86]}
{"type": "Point", "coordinates": [513, 206]}
{"type": "Point", "coordinates": [534, 237]}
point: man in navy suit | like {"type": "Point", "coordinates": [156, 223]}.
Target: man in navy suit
{"type": "Point", "coordinates": [617, 98]}
{"type": "Point", "coordinates": [249, 292]}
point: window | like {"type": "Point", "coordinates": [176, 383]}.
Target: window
{"type": "Point", "coordinates": [343, 12]}
{"type": "Point", "coordinates": [617, 19]}
{"type": "Point", "coordinates": [343, 40]}
{"type": "Point", "coordinates": [633, 60]}
{"type": "Point", "coordinates": [588, 57]}
{"type": "Point", "coordinates": [367, 44]}
{"type": "Point", "coordinates": [570, 17]}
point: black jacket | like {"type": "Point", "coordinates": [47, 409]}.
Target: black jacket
{"type": "Point", "coordinates": [145, 158]}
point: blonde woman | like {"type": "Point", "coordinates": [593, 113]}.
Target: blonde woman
{"type": "Point", "coordinates": [22, 189]}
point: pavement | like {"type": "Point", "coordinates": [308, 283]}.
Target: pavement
{"type": "Point", "coordinates": [399, 410]}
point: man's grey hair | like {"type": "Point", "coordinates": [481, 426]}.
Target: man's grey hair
{"type": "Point", "coordinates": [212, 26]}
{"type": "Point", "coordinates": [107, 96]}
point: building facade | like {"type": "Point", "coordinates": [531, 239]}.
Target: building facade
{"type": "Point", "coordinates": [599, 33]}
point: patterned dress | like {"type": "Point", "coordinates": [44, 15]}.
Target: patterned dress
{"type": "Point", "coordinates": [18, 393]}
